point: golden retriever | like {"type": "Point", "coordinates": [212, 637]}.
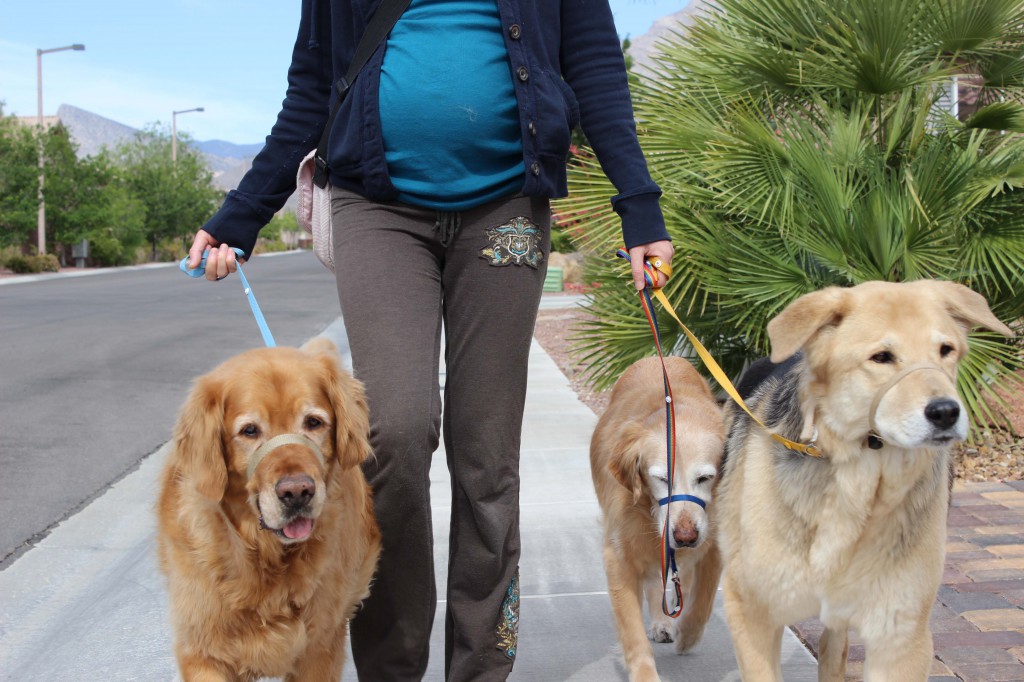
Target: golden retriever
{"type": "Point", "coordinates": [265, 524]}
{"type": "Point", "coordinates": [856, 537]}
{"type": "Point", "coordinates": [628, 462]}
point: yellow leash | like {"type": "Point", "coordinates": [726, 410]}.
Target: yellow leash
{"type": "Point", "coordinates": [664, 268]}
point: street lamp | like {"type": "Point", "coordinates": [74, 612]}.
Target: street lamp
{"type": "Point", "coordinates": [41, 222]}
{"type": "Point", "coordinates": [174, 131]}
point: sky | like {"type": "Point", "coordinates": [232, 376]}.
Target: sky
{"type": "Point", "coordinates": [144, 60]}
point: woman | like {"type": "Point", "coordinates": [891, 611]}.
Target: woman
{"type": "Point", "coordinates": [443, 158]}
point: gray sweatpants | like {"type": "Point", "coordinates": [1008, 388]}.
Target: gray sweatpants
{"type": "Point", "coordinates": [402, 273]}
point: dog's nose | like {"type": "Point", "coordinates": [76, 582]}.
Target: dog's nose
{"type": "Point", "coordinates": [685, 534]}
{"type": "Point", "coordinates": [295, 491]}
{"type": "Point", "coordinates": [943, 412]}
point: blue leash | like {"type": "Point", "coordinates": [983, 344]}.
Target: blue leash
{"type": "Point", "coordinates": [200, 271]}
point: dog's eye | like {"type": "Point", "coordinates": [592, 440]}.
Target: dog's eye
{"type": "Point", "coordinates": [704, 479]}
{"type": "Point", "coordinates": [313, 423]}
{"type": "Point", "coordinates": [946, 349]}
{"type": "Point", "coordinates": [250, 431]}
{"type": "Point", "coordinates": [883, 357]}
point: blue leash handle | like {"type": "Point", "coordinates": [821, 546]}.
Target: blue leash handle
{"type": "Point", "coordinates": [261, 322]}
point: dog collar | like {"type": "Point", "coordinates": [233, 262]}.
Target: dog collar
{"type": "Point", "coordinates": [874, 441]}
{"type": "Point", "coordinates": [682, 498]}
{"type": "Point", "coordinates": [276, 442]}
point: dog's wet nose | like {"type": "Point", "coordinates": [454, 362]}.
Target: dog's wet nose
{"type": "Point", "coordinates": [943, 412]}
{"type": "Point", "coordinates": [295, 491]}
{"type": "Point", "coordinates": [685, 534]}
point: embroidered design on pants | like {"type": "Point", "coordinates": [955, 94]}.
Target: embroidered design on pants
{"type": "Point", "coordinates": [517, 242]}
{"type": "Point", "coordinates": [508, 623]}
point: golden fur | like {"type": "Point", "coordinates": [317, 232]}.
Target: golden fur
{"type": "Point", "coordinates": [248, 602]}
{"type": "Point", "coordinates": [856, 538]}
{"type": "Point", "coordinates": [628, 461]}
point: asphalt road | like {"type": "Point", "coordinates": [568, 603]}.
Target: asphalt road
{"type": "Point", "coordinates": [93, 369]}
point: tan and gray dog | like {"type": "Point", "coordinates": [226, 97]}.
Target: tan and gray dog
{"type": "Point", "coordinates": [856, 537]}
{"type": "Point", "coordinates": [628, 462]}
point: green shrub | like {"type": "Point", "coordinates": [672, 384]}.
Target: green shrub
{"type": "Point", "coordinates": [106, 250]}
{"type": "Point", "coordinates": [22, 265]}
{"type": "Point", "coordinates": [270, 246]}
{"type": "Point", "coordinates": [285, 221]}
{"type": "Point", "coordinates": [170, 250]}
{"type": "Point", "coordinates": [8, 252]}
{"type": "Point", "coordinates": [560, 242]}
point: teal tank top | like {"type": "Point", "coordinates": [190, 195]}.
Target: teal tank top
{"type": "Point", "coordinates": [448, 109]}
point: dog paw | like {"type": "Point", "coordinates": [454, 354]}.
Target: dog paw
{"type": "Point", "coordinates": [644, 672]}
{"type": "Point", "coordinates": [660, 632]}
{"type": "Point", "coordinates": [687, 637]}
{"type": "Point", "coordinates": [652, 677]}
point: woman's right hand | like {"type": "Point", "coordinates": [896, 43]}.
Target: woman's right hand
{"type": "Point", "coordinates": [220, 259]}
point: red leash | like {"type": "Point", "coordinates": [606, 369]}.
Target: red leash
{"type": "Point", "coordinates": [668, 555]}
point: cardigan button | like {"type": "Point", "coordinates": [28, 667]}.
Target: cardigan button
{"type": "Point", "coordinates": [514, 31]}
{"type": "Point", "coordinates": [523, 73]}
{"type": "Point", "coordinates": [535, 168]}
{"type": "Point", "coordinates": [532, 127]}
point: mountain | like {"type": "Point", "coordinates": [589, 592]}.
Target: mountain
{"type": "Point", "coordinates": [642, 49]}
{"type": "Point", "coordinates": [92, 132]}
{"type": "Point", "coordinates": [229, 149]}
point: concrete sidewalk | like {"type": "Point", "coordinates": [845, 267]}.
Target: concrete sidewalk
{"type": "Point", "coordinates": [88, 603]}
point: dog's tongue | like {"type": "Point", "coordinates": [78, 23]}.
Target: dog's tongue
{"type": "Point", "coordinates": [298, 529]}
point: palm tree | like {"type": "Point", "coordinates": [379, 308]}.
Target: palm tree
{"type": "Point", "coordinates": [808, 143]}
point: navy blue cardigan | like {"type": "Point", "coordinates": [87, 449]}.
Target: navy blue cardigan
{"type": "Point", "coordinates": [567, 67]}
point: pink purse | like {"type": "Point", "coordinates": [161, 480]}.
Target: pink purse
{"type": "Point", "coordinates": [314, 210]}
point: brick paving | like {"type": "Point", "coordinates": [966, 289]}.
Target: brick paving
{"type": "Point", "coordinates": [978, 616]}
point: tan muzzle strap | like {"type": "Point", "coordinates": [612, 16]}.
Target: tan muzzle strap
{"type": "Point", "coordinates": [278, 441]}
{"type": "Point", "coordinates": [898, 377]}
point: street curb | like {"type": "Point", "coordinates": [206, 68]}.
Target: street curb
{"type": "Point", "coordinates": [73, 272]}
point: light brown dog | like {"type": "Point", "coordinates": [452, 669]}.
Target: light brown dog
{"type": "Point", "coordinates": [628, 462]}
{"type": "Point", "coordinates": [265, 522]}
{"type": "Point", "coordinates": [856, 537]}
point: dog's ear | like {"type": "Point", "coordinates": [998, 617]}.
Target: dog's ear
{"type": "Point", "coordinates": [320, 345]}
{"type": "Point", "coordinates": [626, 458]}
{"type": "Point", "coordinates": [969, 307]}
{"type": "Point", "coordinates": [199, 439]}
{"type": "Point", "coordinates": [791, 329]}
{"type": "Point", "coordinates": [351, 414]}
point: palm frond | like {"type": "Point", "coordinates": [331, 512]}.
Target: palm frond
{"type": "Point", "coordinates": [999, 116]}
{"type": "Point", "coordinates": [801, 144]}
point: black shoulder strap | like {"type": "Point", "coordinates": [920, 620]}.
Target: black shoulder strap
{"type": "Point", "coordinates": [381, 23]}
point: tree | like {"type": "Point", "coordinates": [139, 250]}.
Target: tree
{"type": "Point", "coordinates": [19, 182]}
{"type": "Point", "coordinates": [802, 144]}
{"type": "Point", "coordinates": [85, 198]}
{"type": "Point", "coordinates": [89, 199]}
{"type": "Point", "coordinates": [178, 197]}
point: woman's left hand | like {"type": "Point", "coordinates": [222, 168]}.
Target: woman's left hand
{"type": "Point", "coordinates": [662, 250]}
